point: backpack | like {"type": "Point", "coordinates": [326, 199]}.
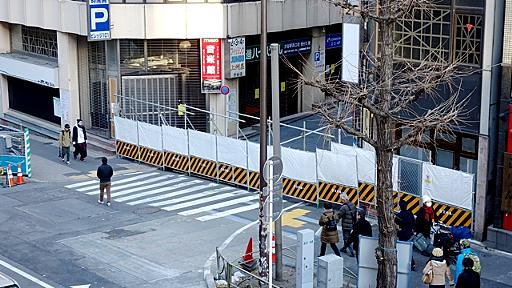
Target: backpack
{"type": "Point", "coordinates": [476, 261]}
{"type": "Point", "coordinates": [331, 224]}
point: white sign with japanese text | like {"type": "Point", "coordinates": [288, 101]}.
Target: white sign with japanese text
{"type": "Point", "coordinates": [236, 57]}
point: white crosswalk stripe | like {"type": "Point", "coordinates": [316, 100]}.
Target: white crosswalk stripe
{"type": "Point", "coordinates": [116, 187]}
{"type": "Point", "coordinates": [157, 191]}
{"type": "Point", "coordinates": [228, 212]}
{"type": "Point", "coordinates": [209, 207]}
{"type": "Point", "coordinates": [184, 195]}
{"type": "Point", "coordinates": [195, 196]}
{"type": "Point", "coordinates": [118, 181]}
{"type": "Point", "coordinates": [155, 185]}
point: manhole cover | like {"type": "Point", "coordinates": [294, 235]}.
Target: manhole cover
{"type": "Point", "coordinates": [146, 210]}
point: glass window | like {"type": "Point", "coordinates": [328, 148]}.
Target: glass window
{"type": "Point", "coordinates": [415, 153]}
{"type": "Point", "coordinates": [39, 41]}
{"type": "Point", "coordinates": [444, 158]}
{"type": "Point", "coordinates": [131, 55]}
{"type": "Point", "coordinates": [468, 39]}
{"type": "Point", "coordinates": [469, 145]}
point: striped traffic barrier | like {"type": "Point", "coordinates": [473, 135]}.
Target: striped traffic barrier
{"type": "Point", "coordinates": [127, 150]}
{"type": "Point", "coordinates": [366, 193]}
{"type": "Point", "coordinates": [176, 161]}
{"type": "Point", "coordinates": [300, 190]}
{"type": "Point", "coordinates": [203, 167]}
{"type": "Point", "coordinates": [240, 176]}
{"type": "Point", "coordinates": [225, 172]}
{"type": "Point", "coordinates": [28, 153]}
{"type": "Point", "coordinates": [331, 192]}
{"type": "Point", "coordinates": [150, 156]}
{"type": "Point", "coordinates": [452, 216]}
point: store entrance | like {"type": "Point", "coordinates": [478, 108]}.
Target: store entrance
{"type": "Point", "coordinates": [32, 99]}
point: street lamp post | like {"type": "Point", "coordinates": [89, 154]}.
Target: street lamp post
{"type": "Point", "coordinates": [265, 265]}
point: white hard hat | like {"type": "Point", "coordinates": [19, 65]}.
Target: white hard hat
{"type": "Point", "coordinates": [426, 199]}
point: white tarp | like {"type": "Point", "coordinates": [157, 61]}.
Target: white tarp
{"type": "Point", "coordinates": [299, 165]}
{"type": "Point", "coordinates": [232, 151]}
{"type": "Point", "coordinates": [202, 145]}
{"type": "Point", "coordinates": [336, 168]}
{"type": "Point", "coordinates": [254, 155]}
{"type": "Point", "coordinates": [150, 136]}
{"type": "Point", "coordinates": [126, 130]}
{"type": "Point", "coordinates": [351, 58]}
{"type": "Point", "coordinates": [175, 140]}
{"type": "Point", "coordinates": [395, 173]}
{"type": "Point", "coordinates": [448, 186]}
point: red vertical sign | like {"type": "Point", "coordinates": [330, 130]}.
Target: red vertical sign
{"type": "Point", "coordinates": [211, 65]}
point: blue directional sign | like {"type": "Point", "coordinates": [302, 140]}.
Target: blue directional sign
{"type": "Point", "coordinates": [98, 15]}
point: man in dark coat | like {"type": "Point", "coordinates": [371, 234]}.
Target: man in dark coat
{"type": "Point", "coordinates": [329, 235]}
{"type": "Point", "coordinates": [104, 173]}
{"type": "Point", "coordinates": [347, 215]}
{"type": "Point", "coordinates": [79, 140]}
{"type": "Point", "coordinates": [405, 221]}
{"type": "Point", "coordinates": [468, 278]}
{"type": "Point", "coordinates": [361, 227]}
{"type": "Point", "coordinates": [425, 217]}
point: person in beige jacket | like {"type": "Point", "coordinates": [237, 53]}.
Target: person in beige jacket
{"type": "Point", "coordinates": [441, 270]}
{"type": "Point", "coordinates": [65, 143]}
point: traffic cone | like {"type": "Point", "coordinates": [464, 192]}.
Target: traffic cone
{"type": "Point", "coordinates": [9, 176]}
{"type": "Point", "coordinates": [19, 178]}
{"type": "Point", "coordinates": [248, 252]}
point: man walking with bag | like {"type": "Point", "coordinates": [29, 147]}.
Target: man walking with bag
{"type": "Point", "coordinates": [347, 215]}
{"type": "Point", "coordinates": [105, 173]}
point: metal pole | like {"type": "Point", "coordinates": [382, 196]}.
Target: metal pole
{"type": "Point", "coordinates": [270, 208]}
{"type": "Point", "coordinates": [276, 147]}
{"type": "Point", "coordinates": [304, 136]}
{"type": "Point", "coordinates": [263, 233]}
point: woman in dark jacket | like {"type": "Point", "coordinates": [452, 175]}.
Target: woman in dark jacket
{"type": "Point", "coordinates": [425, 217]}
{"type": "Point", "coordinates": [405, 221]}
{"type": "Point", "coordinates": [468, 278]}
{"type": "Point", "coordinates": [361, 227]}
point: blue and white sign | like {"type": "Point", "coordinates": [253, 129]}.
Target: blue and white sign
{"type": "Point", "coordinates": [317, 56]}
{"type": "Point", "coordinates": [98, 15]}
{"type": "Point", "coordinates": [333, 41]}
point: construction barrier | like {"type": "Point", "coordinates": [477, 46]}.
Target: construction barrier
{"type": "Point", "coordinates": [307, 176]}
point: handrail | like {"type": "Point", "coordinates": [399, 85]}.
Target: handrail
{"type": "Point", "coordinates": [153, 104]}
{"type": "Point", "coordinates": [213, 113]}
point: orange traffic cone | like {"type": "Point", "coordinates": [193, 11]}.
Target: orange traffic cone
{"type": "Point", "coordinates": [19, 178]}
{"type": "Point", "coordinates": [9, 176]}
{"type": "Point", "coordinates": [248, 252]}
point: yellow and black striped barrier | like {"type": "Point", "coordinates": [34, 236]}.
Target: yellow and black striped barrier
{"type": "Point", "coordinates": [226, 172]}
{"type": "Point", "coordinates": [300, 190]}
{"type": "Point", "coordinates": [203, 167]}
{"type": "Point", "coordinates": [239, 175]}
{"type": "Point", "coordinates": [176, 161]}
{"type": "Point", "coordinates": [254, 180]}
{"type": "Point", "coordinates": [452, 216]}
{"type": "Point", "coordinates": [331, 192]}
{"type": "Point", "coordinates": [367, 193]}
{"type": "Point", "coordinates": [127, 150]}
{"type": "Point", "coordinates": [413, 202]}
{"type": "Point", "coordinates": [150, 156]}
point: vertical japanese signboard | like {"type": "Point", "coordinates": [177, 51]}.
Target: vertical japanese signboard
{"type": "Point", "coordinates": [211, 65]}
{"type": "Point", "coordinates": [98, 14]}
{"type": "Point", "coordinates": [236, 57]}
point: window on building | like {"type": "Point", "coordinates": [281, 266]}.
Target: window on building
{"type": "Point", "coordinates": [468, 39]}
{"type": "Point", "coordinates": [425, 37]}
{"type": "Point", "coordinates": [39, 41]}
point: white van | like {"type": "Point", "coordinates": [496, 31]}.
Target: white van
{"type": "Point", "coordinates": [7, 282]}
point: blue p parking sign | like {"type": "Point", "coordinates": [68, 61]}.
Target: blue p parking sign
{"type": "Point", "coordinates": [98, 14]}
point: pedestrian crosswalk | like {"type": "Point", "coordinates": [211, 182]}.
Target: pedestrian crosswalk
{"type": "Point", "coordinates": [180, 194]}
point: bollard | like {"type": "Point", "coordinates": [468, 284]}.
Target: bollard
{"type": "Point", "coordinates": [330, 272]}
{"type": "Point", "coordinates": [305, 256]}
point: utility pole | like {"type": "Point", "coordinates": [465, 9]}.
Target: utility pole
{"type": "Point", "coordinates": [276, 141]}
{"type": "Point", "coordinates": [265, 265]}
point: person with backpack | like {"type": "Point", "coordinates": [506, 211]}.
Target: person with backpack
{"type": "Point", "coordinates": [466, 252]}
{"type": "Point", "coordinates": [329, 235]}
{"type": "Point", "coordinates": [65, 143]}
{"type": "Point", "coordinates": [405, 221]}
{"type": "Point", "coordinates": [347, 214]}
{"type": "Point", "coordinates": [468, 278]}
{"type": "Point", "coordinates": [437, 271]}
{"type": "Point", "coordinates": [361, 227]}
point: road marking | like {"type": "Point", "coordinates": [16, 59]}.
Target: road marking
{"type": "Point", "coordinates": [165, 196]}
{"type": "Point", "coordinates": [289, 219]}
{"type": "Point", "coordinates": [82, 184]}
{"type": "Point", "coordinates": [120, 181]}
{"type": "Point", "coordinates": [228, 212]}
{"type": "Point", "coordinates": [159, 184]}
{"type": "Point", "coordinates": [199, 195]}
{"type": "Point", "coordinates": [209, 207]}
{"type": "Point", "coordinates": [142, 194]}
{"type": "Point", "coordinates": [26, 275]}
{"type": "Point", "coordinates": [191, 189]}
{"type": "Point", "coordinates": [116, 187]}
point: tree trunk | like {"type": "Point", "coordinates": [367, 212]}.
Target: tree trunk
{"type": "Point", "coordinates": [386, 251]}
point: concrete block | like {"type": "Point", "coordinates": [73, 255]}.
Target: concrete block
{"type": "Point", "coordinates": [328, 275]}
{"type": "Point", "coordinates": [501, 239]}
{"type": "Point", "coordinates": [491, 235]}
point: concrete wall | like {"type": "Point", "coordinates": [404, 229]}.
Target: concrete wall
{"type": "Point", "coordinates": [5, 41]}
{"type": "Point", "coordinates": [68, 77]}
{"type": "Point", "coordinates": [314, 70]}
{"type": "Point", "coordinates": [175, 21]}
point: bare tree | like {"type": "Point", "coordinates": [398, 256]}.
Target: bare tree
{"type": "Point", "coordinates": [391, 91]}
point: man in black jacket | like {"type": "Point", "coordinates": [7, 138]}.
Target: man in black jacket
{"type": "Point", "coordinates": [405, 221]}
{"type": "Point", "coordinates": [79, 140]}
{"type": "Point", "coordinates": [347, 215]}
{"type": "Point", "coordinates": [468, 278]}
{"type": "Point", "coordinates": [361, 227]}
{"type": "Point", "coordinates": [105, 173]}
